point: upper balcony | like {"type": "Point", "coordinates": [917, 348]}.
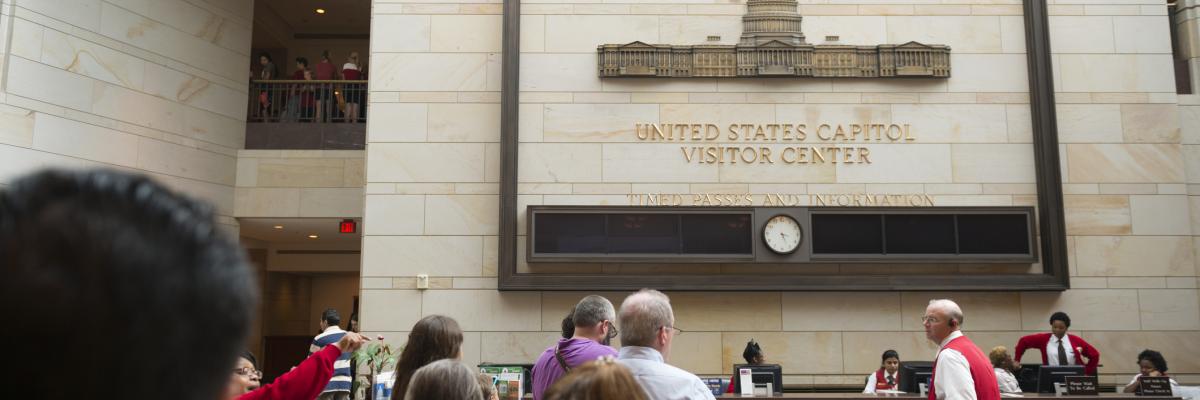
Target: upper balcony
{"type": "Point", "coordinates": [307, 115]}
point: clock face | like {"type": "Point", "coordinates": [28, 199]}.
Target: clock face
{"type": "Point", "coordinates": [782, 234]}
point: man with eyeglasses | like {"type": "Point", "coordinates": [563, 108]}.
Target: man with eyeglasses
{"type": "Point", "coordinates": [647, 331]}
{"type": "Point", "coordinates": [593, 319]}
{"type": "Point", "coordinates": [961, 371]}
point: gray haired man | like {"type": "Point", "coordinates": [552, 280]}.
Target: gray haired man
{"type": "Point", "coordinates": [593, 318]}
{"type": "Point", "coordinates": [648, 328]}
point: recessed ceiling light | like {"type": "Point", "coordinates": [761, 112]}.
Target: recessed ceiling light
{"type": "Point", "coordinates": [313, 236]}
{"type": "Point", "coordinates": [278, 226]}
{"type": "Point", "coordinates": [320, 11]}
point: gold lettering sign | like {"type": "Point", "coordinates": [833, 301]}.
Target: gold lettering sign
{"type": "Point", "coordinates": [785, 144]}
{"type": "Point", "coordinates": [780, 200]}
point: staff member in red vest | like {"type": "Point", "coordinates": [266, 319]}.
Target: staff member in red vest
{"type": "Point", "coordinates": [888, 375]}
{"type": "Point", "coordinates": [1058, 347]}
{"type": "Point", "coordinates": [961, 371]}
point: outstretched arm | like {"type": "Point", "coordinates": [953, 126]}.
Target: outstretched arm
{"type": "Point", "coordinates": [308, 379]}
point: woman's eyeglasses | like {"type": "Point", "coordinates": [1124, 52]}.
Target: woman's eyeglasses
{"type": "Point", "coordinates": [247, 371]}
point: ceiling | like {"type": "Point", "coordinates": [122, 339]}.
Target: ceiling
{"type": "Point", "coordinates": [296, 230]}
{"type": "Point", "coordinates": [341, 16]}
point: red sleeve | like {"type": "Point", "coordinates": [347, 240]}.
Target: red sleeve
{"type": "Point", "coordinates": [306, 381]}
{"type": "Point", "coordinates": [1093, 355]}
{"type": "Point", "coordinates": [1029, 342]}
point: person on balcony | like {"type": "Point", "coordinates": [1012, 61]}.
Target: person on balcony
{"type": "Point", "coordinates": [299, 96]}
{"type": "Point", "coordinates": [265, 96]}
{"type": "Point", "coordinates": [324, 71]}
{"type": "Point", "coordinates": [353, 92]}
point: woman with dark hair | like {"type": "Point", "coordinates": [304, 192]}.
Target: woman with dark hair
{"type": "Point", "coordinates": [568, 325]}
{"type": "Point", "coordinates": [268, 72]}
{"type": "Point", "coordinates": [1058, 347]}
{"type": "Point", "coordinates": [246, 376]}
{"type": "Point", "coordinates": [435, 337]}
{"type": "Point", "coordinates": [753, 356]}
{"type": "Point", "coordinates": [352, 326]}
{"type": "Point", "coordinates": [305, 381]}
{"type": "Point", "coordinates": [1150, 363]}
{"type": "Point", "coordinates": [887, 377]}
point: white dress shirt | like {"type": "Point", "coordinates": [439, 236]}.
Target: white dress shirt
{"type": "Point", "coordinates": [1008, 382]}
{"type": "Point", "coordinates": [1052, 350]}
{"type": "Point", "coordinates": [660, 380]}
{"type": "Point", "coordinates": [871, 381]}
{"type": "Point", "coordinates": [952, 378]}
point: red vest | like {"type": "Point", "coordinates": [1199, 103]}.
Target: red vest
{"type": "Point", "coordinates": [881, 381]}
{"type": "Point", "coordinates": [982, 373]}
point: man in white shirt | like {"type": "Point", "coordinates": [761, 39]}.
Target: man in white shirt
{"type": "Point", "coordinates": [647, 330]}
{"type": "Point", "coordinates": [960, 370]}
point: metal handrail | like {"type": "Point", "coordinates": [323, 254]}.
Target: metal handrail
{"type": "Point", "coordinates": [307, 101]}
{"type": "Point", "coordinates": [305, 81]}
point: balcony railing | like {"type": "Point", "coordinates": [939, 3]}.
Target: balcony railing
{"type": "Point", "coordinates": [306, 114]}
{"type": "Point", "coordinates": [308, 101]}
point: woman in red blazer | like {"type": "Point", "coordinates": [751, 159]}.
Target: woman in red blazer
{"type": "Point", "coordinates": [1073, 348]}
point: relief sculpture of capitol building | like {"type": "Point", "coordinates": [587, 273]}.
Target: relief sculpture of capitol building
{"type": "Point", "coordinates": [773, 45]}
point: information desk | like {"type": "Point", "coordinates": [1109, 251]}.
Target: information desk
{"type": "Point", "coordinates": [861, 396]}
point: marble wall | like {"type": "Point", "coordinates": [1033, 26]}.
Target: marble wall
{"type": "Point", "coordinates": [432, 171]}
{"type": "Point", "coordinates": [299, 184]}
{"type": "Point", "coordinates": [150, 86]}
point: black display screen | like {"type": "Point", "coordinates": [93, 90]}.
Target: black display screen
{"type": "Point", "coordinates": [643, 233]}
{"type": "Point", "coordinates": [919, 233]}
{"type": "Point", "coordinates": [993, 234]}
{"type": "Point", "coordinates": [569, 233]}
{"type": "Point", "coordinates": [847, 233]}
{"type": "Point", "coordinates": [717, 234]}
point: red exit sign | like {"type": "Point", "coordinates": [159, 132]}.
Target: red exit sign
{"type": "Point", "coordinates": [348, 226]}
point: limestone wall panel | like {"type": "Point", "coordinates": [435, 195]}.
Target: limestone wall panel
{"type": "Point", "coordinates": [993, 163]}
{"type": "Point", "coordinates": [461, 215]}
{"type": "Point", "coordinates": [464, 122]}
{"type": "Point", "coordinates": [1134, 256]}
{"type": "Point", "coordinates": [581, 33]}
{"type": "Point", "coordinates": [408, 256]}
{"type": "Point", "coordinates": [850, 311]}
{"type": "Point", "coordinates": [390, 310]}
{"type": "Point", "coordinates": [465, 33]}
{"type": "Point", "coordinates": [1090, 309]}
{"type": "Point", "coordinates": [558, 162]}
{"type": "Point", "coordinates": [425, 162]}
{"type": "Point", "coordinates": [486, 310]}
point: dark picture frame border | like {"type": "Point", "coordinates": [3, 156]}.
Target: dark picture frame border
{"type": "Point", "coordinates": [1052, 237]}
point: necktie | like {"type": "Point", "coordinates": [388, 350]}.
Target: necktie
{"type": "Point", "coordinates": [1062, 354]}
{"type": "Point", "coordinates": [891, 381]}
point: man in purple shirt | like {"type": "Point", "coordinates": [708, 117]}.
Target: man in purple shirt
{"type": "Point", "coordinates": [594, 329]}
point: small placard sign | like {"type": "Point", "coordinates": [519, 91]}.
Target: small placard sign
{"type": "Point", "coordinates": [1082, 385]}
{"type": "Point", "coordinates": [1154, 386]}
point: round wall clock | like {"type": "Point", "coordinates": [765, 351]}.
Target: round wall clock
{"type": "Point", "coordinates": [782, 234]}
